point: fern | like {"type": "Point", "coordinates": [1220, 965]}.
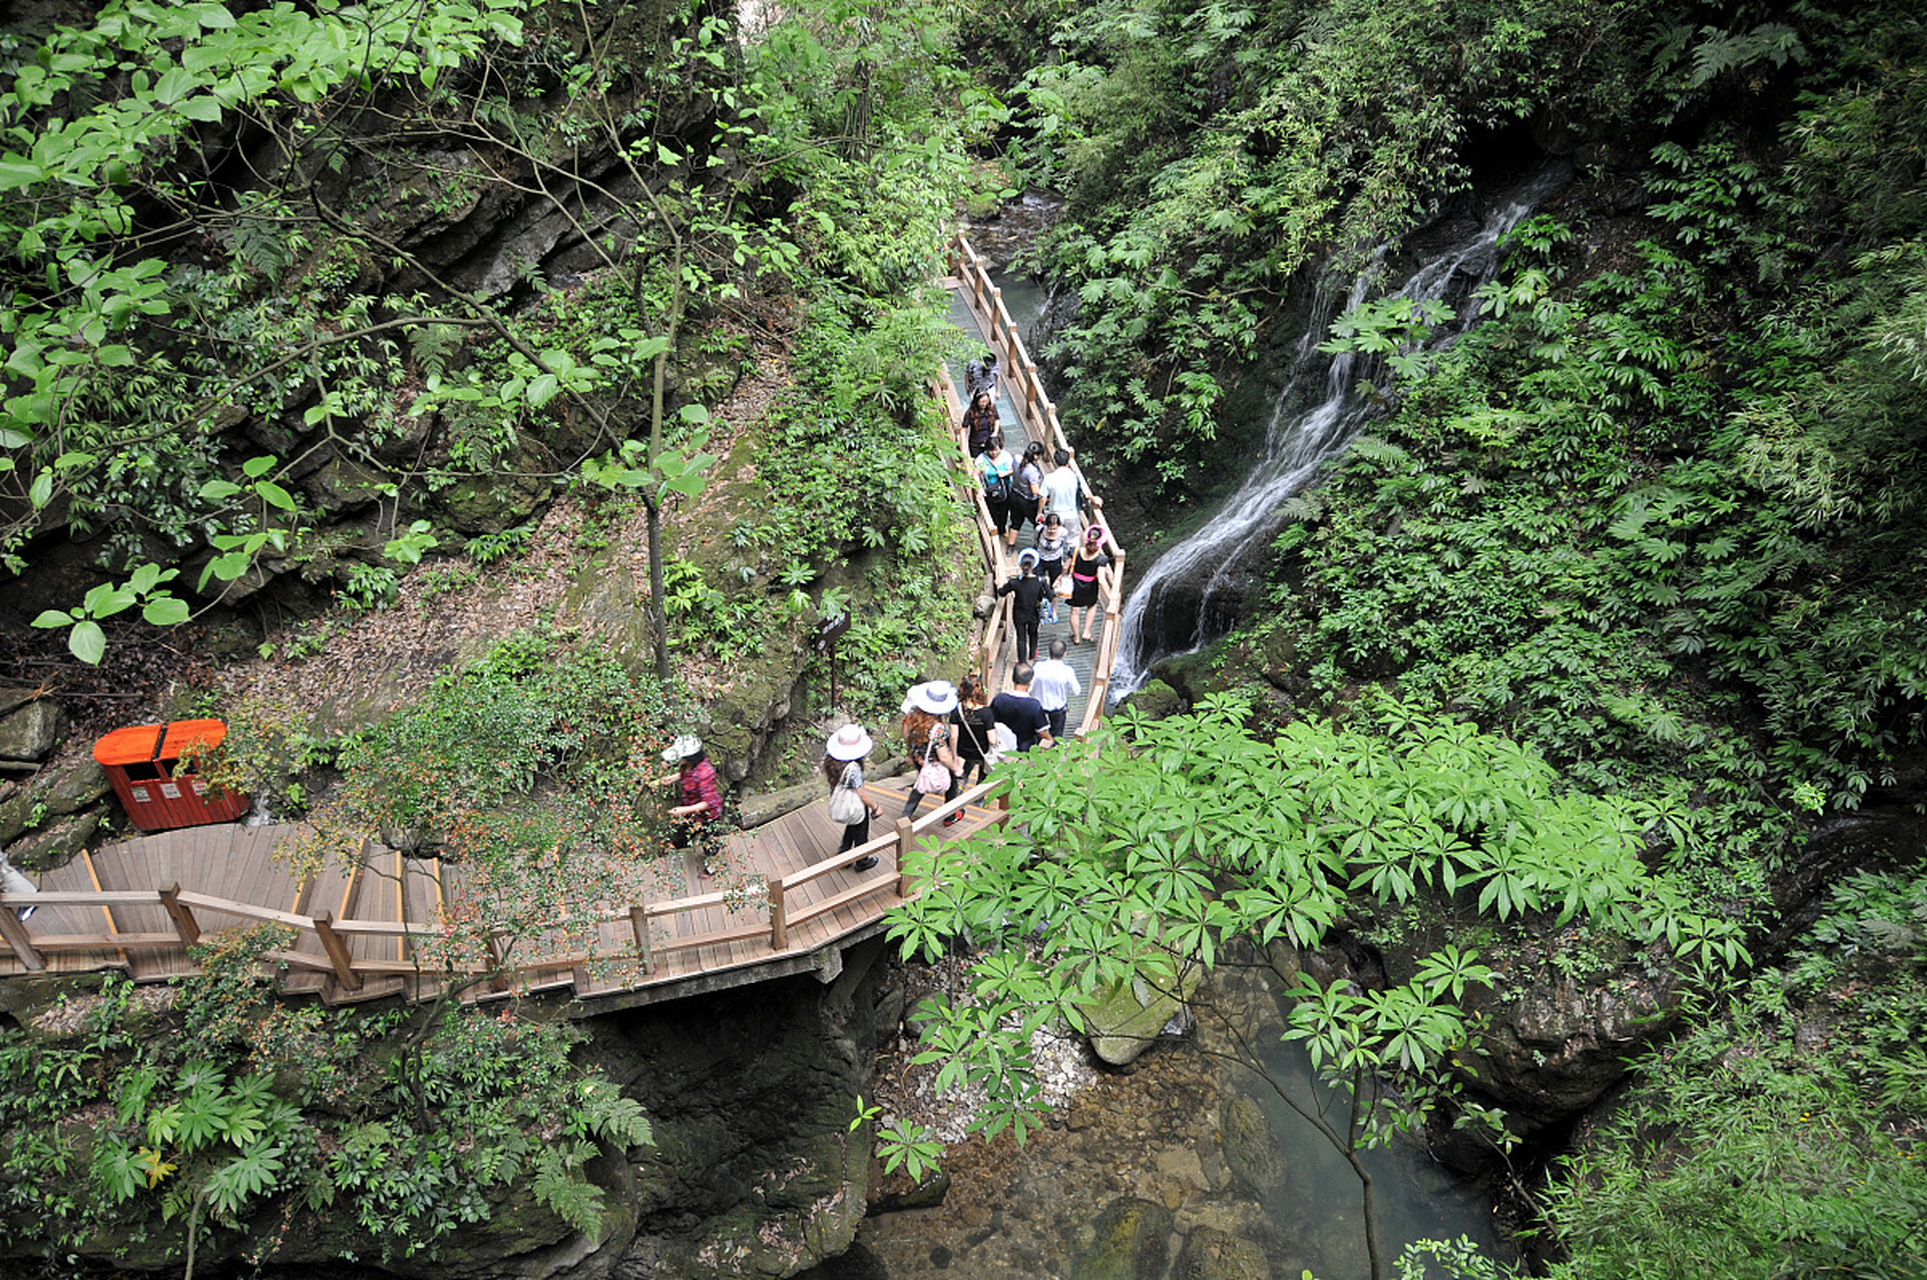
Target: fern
{"type": "Point", "coordinates": [431, 345]}
{"type": "Point", "coordinates": [558, 1188]}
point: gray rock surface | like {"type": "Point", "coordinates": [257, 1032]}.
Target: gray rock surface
{"type": "Point", "coordinates": [1132, 1243]}
{"type": "Point", "coordinates": [1210, 1254]}
{"type": "Point", "coordinates": [32, 731]}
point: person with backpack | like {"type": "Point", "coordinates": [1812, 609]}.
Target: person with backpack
{"type": "Point", "coordinates": [996, 470]}
{"type": "Point", "coordinates": [1026, 589]}
{"type": "Point", "coordinates": [1025, 499]}
{"type": "Point", "coordinates": [982, 375]}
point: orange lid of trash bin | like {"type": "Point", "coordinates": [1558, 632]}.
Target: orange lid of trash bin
{"type": "Point", "coordinates": [132, 745]}
{"type": "Point", "coordinates": [137, 744]}
{"type": "Point", "coordinates": [187, 736]}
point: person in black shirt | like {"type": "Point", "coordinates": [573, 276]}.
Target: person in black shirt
{"type": "Point", "coordinates": [1019, 712]}
{"type": "Point", "coordinates": [1028, 588]}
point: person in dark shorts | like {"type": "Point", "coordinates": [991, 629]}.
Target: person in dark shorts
{"type": "Point", "coordinates": [995, 469]}
{"type": "Point", "coordinates": [1017, 711]}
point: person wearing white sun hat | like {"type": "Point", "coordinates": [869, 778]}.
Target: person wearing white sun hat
{"type": "Point", "coordinates": [926, 739]}
{"type": "Point", "coordinates": [699, 813]}
{"type": "Point", "coordinates": [843, 767]}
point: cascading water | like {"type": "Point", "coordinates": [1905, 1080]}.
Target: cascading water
{"type": "Point", "coordinates": [1189, 594]}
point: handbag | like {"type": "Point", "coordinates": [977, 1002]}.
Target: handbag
{"type": "Point", "coordinates": [846, 806]}
{"type": "Point", "coordinates": [934, 777]}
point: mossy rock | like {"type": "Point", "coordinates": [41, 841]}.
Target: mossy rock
{"type": "Point", "coordinates": [1127, 1018]}
{"type": "Point", "coordinates": [1210, 1254]}
{"type": "Point", "coordinates": [1251, 1149]}
{"type": "Point", "coordinates": [55, 845]}
{"type": "Point", "coordinates": [1132, 1243]}
{"type": "Point", "coordinates": [1157, 701]}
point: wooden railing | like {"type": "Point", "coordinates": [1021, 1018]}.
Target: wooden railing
{"type": "Point", "coordinates": [1027, 398]}
{"type": "Point", "coordinates": [190, 916]}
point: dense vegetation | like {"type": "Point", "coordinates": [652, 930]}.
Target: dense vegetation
{"type": "Point", "coordinates": [1645, 546]}
{"type": "Point", "coordinates": [1656, 517]}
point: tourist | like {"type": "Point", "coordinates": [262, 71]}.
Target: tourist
{"type": "Point", "coordinates": [980, 422]}
{"type": "Point", "coordinates": [699, 814]}
{"type": "Point", "coordinates": [1054, 684]}
{"type": "Point", "coordinates": [974, 730]}
{"type": "Point", "coordinates": [982, 375]}
{"type": "Point", "coordinates": [1017, 711]}
{"type": "Point", "coordinates": [1027, 591]}
{"type": "Point", "coordinates": [1054, 543]}
{"type": "Point", "coordinates": [996, 470]}
{"type": "Point", "coordinates": [1026, 489]}
{"type": "Point", "coordinates": [926, 740]}
{"type": "Point", "coordinates": [1090, 557]}
{"type": "Point", "coordinates": [843, 767]}
{"type": "Point", "coordinates": [1062, 494]}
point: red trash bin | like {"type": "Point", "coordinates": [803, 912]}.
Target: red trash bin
{"type": "Point", "coordinates": [159, 791]}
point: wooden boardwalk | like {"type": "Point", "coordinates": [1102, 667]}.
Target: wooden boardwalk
{"type": "Point", "coordinates": [381, 924]}
{"type": "Point", "coordinates": [377, 923]}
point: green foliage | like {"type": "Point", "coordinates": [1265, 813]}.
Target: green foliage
{"type": "Point", "coordinates": [409, 1124]}
{"type": "Point", "coordinates": [1144, 852]}
{"type": "Point", "coordinates": [1213, 151]}
{"type": "Point", "coordinates": [1744, 1154]}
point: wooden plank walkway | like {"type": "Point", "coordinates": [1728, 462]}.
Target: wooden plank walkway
{"type": "Point", "coordinates": [399, 918]}
{"type": "Point", "coordinates": [375, 923]}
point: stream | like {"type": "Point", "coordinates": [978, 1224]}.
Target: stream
{"type": "Point", "coordinates": [1166, 1132]}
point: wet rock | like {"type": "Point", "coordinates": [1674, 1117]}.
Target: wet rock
{"type": "Point", "coordinates": [1127, 1019]}
{"type": "Point", "coordinates": [1210, 1254]}
{"type": "Point", "coordinates": [921, 1195]}
{"type": "Point", "coordinates": [31, 732]}
{"type": "Point", "coordinates": [1157, 700]}
{"type": "Point", "coordinates": [1251, 1149]}
{"type": "Point", "coordinates": [1132, 1243]}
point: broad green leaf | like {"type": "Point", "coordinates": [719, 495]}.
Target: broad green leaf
{"type": "Point", "coordinates": [87, 642]}
{"type": "Point", "coordinates": [167, 611]}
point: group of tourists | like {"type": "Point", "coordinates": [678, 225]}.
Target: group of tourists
{"type": "Point", "coordinates": [951, 736]}
{"type": "Point", "coordinates": [951, 733]}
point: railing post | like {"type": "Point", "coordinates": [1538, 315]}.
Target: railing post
{"type": "Point", "coordinates": [184, 922]}
{"type": "Point", "coordinates": [344, 965]}
{"type": "Point", "coordinates": [15, 933]}
{"type": "Point", "coordinates": [639, 921]}
{"type": "Point", "coordinates": [903, 843]}
{"type": "Point", "coordinates": [779, 925]}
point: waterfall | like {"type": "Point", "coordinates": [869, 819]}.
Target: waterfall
{"type": "Point", "coordinates": [1190, 593]}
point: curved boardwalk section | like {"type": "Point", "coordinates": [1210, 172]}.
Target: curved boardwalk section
{"type": "Point", "coordinates": [379, 923]}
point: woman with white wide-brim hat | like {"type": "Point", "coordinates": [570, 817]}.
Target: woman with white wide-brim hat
{"type": "Point", "coordinates": [926, 737]}
{"type": "Point", "coordinates": [843, 767]}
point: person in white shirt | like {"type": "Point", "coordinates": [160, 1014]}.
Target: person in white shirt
{"type": "Point", "coordinates": [1054, 685]}
{"type": "Point", "coordinates": [1060, 492]}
